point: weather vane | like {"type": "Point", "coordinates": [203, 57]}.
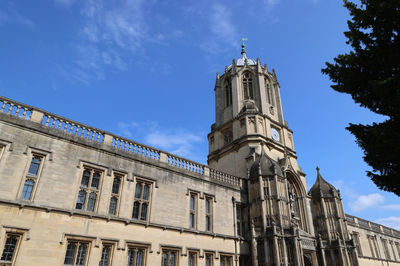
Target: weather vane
{"type": "Point", "coordinates": [243, 50]}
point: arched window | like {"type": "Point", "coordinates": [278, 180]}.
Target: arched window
{"type": "Point", "coordinates": [91, 202]}
{"type": "Point", "coordinates": [268, 91]}
{"type": "Point", "coordinates": [113, 206]}
{"type": "Point", "coordinates": [81, 200]}
{"type": "Point", "coordinates": [85, 178]}
{"type": "Point", "coordinates": [228, 93]}
{"type": "Point", "coordinates": [295, 192]}
{"type": "Point", "coordinates": [247, 86]}
{"type": "Point", "coordinates": [27, 190]}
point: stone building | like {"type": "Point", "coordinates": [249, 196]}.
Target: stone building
{"type": "Point", "coordinates": [71, 194]}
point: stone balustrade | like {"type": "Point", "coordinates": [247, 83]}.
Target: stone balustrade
{"type": "Point", "coordinates": [355, 221]}
{"type": "Point", "coordinates": [15, 109]}
{"type": "Point", "coordinates": [91, 134]}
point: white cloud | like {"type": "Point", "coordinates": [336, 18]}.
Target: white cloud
{"type": "Point", "coordinates": [174, 140]}
{"type": "Point", "coordinates": [392, 207]}
{"type": "Point", "coordinates": [392, 221]}
{"type": "Point", "coordinates": [363, 202]}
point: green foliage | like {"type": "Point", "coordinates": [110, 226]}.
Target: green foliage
{"type": "Point", "coordinates": [370, 73]}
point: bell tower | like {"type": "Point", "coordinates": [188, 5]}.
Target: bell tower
{"type": "Point", "coordinates": [248, 113]}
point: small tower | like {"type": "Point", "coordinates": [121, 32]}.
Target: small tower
{"type": "Point", "coordinates": [335, 245]}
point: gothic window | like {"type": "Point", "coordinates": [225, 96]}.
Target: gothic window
{"type": "Point", "coordinates": [209, 213]}
{"type": "Point", "coordinates": [77, 253]}
{"type": "Point", "coordinates": [106, 254]}
{"type": "Point", "coordinates": [228, 93]}
{"type": "Point", "coordinates": [240, 227]}
{"type": "Point", "coordinates": [385, 249]}
{"type": "Point", "coordinates": [115, 194]}
{"type": "Point", "coordinates": [89, 190]}
{"type": "Point", "coordinates": [169, 257]}
{"type": "Point", "coordinates": [141, 203]}
{"type": "Point", "coordinates": [226, 260]}
{"type": "Point", "coordinates": [228, 136]}
{"type": "Point", "coordinates": [247, 86]}
{"type": "Point", "coordinates": [136, 256]}
{"type": "Point", "coordinates": [193, 211]}
{"type": "Point", "coordinates": [209, 259]}
{"type": "Point", "coordinates": [10, 248]}
{"type": "Point", "coordinates": [392, 246]}
{"type": "Point", "coordinates": [296, 206]}
{"type": "Point", "coordinates": [268, 91]}
{"type": "Point", "coordinates": [356, 238]}
{"type": "Point", "coordinates": [32, 176]}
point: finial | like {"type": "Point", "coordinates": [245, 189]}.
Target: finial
{"type": "Point", "coordinates": [317, 169]}
{"type": "Point", "coordinates": [243, 48]}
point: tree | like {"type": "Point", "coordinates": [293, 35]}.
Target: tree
{"type": "Point", "coordinates": [370, 73]}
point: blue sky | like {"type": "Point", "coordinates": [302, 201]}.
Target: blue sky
{"type": "Point", "coordinates": [146, 70]}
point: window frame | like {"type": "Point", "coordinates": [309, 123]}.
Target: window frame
{"type": "Point", "coordinates": [248, 86]}
{"type": "Point", "coordinates": [211, 255]}
{"type": "Point", "coordinates": [195, 253]}
{"type": "Point", "coordinates": [79, 241]}
{"type": "Point", "coordinates": [111, 245]}
{"type": "Point", "coordinates": [240, 220]}
{"type": "Point", "coordinates": [116, 195]}
{"type": "Point", "coordinates": [210, 215]}
{"type": "Point", "coordinates": [226, 258]}
{"type": "Point", "coordinates": [29, 177]}
{"type": "Point", "coordinates": [142, 201]}
{"type": "Point", "coordinates": [169, 251]}
{"type": "Point", "coordinates": [19, 236]}
{"type": "Point", "coordinates": [88, 189]}
{"type": "Point", "coordinates": [193, 212]}
{"type": "Point", "coordinates": [228, 92]}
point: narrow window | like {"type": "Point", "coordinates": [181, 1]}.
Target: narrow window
{"type": "Point", "coordinates": [356, 237]}
{"type": "Point", "coordinates": [32, 177]}
{"type": "Point", "coordinates": [192, 214]}
{"type": "Point", "coordinates": [142, 201]}
{"type": "Point", "coordinates": [136, 256]}
{"type": "Point", "coordinates": [115, 194]}
{"type": "Point", "coordinates": [226, 260]}
{"type": "Point", "coordinates": [208, 210]}
{"type": "Point", "coordinates": [27, 190]}
{"type": "Point", "coordinates": [228, 93]}
{"type": "Point", "coordinates": [106, 255]}
{"type": "Point", "coordinates": [77, 253]}
{"type": "Point", "coordinates": [192, 259]}
{"type": "Point", "coordinates": [10, 248]}
{"type": "Point", "coordinates": [268, 91]}
{"type": "Point", "coordinates": [240, 227]}
{"type": "Point", "coordinates": [87, 196]}
{"type": "Point", "coordinates": [247, 86]}
{"type": "Point", "coordinates": [209, 259]}
{"type": "Point", "coordinates": [169, 258]}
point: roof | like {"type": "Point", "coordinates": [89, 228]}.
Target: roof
{"type": "Point", "coordinates": [321, 187]}
{"type": "Point", "coordinates": [264, 166]}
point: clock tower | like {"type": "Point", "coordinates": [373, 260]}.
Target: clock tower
{"type": "Point", "coordinates": [248, 118]}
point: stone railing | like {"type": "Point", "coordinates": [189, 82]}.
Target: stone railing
{"type": "Point", "coordinates": [91, 134]}
{"type": "Point", "coordinates": [15, 109]}
{"type": "Point", "coordinates": [355, 221]}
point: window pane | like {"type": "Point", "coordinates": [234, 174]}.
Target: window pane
{"type": "Point", "coordinates": [146, 192]}
{"type": "Point", "coordinates": [143, 214]}
{"type": "Point", "coordinates": [164, 261]}
{"type": "Point", "coordinates": [208, 228]}
{"type": "Point", "coordinates": [135, 213]}
{"type": "Point", "coordinates": [91, 202]}
{"type": "Point", "coordinates": [191, 220]}
{"type": "Point", "coordinates": [131, 256]}
{"type": "Point", "coordinates": [192, 203]}
{"type": "Point", "coordinates": [69, 255]}
{"type": "Point", "coordinates": [95, 180]}
{"type": "Point", "coordinates": [138, 191]}
{"type": "Point", "coordinates": [81, 255]}
{"type": "Point", "coordinates": [85, 178]}
{"type": "Point", "coordinates": [9, 247]}
{"type": "Point", "coordinates": [172, 259]}
{"type": "Point", "coordinates": [208, 206]}
{"type": "Point", "coordinates": [208, 260]}
{"type": "Point", "coordinates": [105, 256]}
{"type": "Point", "coordinates": [116, 183]}
{"type": "Point", "coordinates": [81, 200]}
{"type": "Point", "coordinates": [27, 190]}
{"type": "Point", "coordinates": [34, 167]}
{"type": "Point", "coordinates": [113, 206]}
{"type": "Point", "coordinates": [139, 258]}
{"type": "Point", "coordinates": [191, 259]}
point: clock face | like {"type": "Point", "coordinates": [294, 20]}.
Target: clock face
{"type": "Point", "coordinates": [275, 134]}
